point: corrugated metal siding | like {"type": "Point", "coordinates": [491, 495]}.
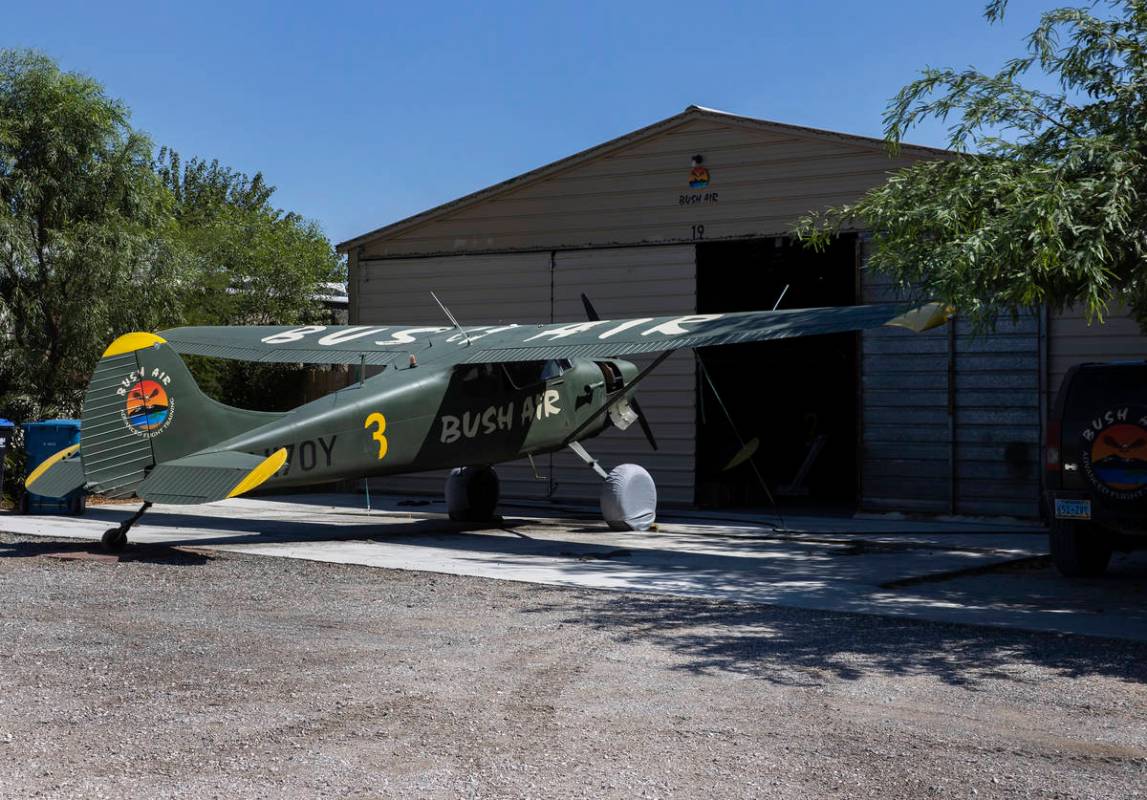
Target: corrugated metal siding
{"type": "Point", "coordinates": [905, 435]}
{"type": "Point", "coordinates": [998, 419]}
{"type": "Point", "coordinates": [765, 180]}
{"type": "Point", "coordinates": [633, 282]}
{"type": "Point", "coordinates": [478, 290]}
{"type": "Point", "coordinates": [913, 440]}
{"type": "Point", "coordinates": [1072, 341]}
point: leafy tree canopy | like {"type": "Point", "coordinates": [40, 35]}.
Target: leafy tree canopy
{"type": "Point", "coordinates": [1045, 197]}
{"type": "Point", "coordinates": [80, 210]}
{"type": "Point", "coordinates": [99, 236]}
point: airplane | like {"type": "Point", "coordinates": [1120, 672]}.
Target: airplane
{"type": "Point", "coordinates": [463, 398]}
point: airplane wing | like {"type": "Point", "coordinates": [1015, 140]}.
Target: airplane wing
{"type": "Point", "coordinates": [379, 344]}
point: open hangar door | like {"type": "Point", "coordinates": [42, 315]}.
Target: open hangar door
{"type": "Point", "coordinates": [797, 397]}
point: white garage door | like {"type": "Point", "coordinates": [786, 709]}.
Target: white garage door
{"type": "Point", "coordinates": [636, 282]}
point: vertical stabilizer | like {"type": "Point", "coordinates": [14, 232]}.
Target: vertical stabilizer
{"type": "Point", "coordinates": [143, 408]}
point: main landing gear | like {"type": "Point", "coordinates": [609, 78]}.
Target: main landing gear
{"type": "Point", "coordinates": [115, 539]}
{"type": "Point", "coordinates": [628, 496]}
{"type": "Point", "coordinates": [472, 494]}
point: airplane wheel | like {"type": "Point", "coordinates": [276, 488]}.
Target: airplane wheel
{"type": "Point", "coordinates": [472, 494]}
{"type": "Point", "coordinates": [629, 498]}
{"type": "Point", "coordinates": [114, 540]}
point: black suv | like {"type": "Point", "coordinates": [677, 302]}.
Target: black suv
{"type": "Point", "coordinates": [1096, 465]}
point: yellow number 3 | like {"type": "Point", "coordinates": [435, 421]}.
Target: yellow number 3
{"type": "Point", "coordinates": [378, 435]}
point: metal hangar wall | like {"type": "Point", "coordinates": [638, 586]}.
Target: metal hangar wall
{"type": "Point", "coordinates": [944, 422]}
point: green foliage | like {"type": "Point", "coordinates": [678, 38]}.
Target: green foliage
{"type": "Point", "coordinates": [252, 264]}
{"type": "Point", "coordinates": [248, 263]}
{"type": "Point", "coordinates": [1045, 197]}
{"type": "Point", "coordinates": [78, 258]}
{"type": "Point", "coordinates": [98, 237]}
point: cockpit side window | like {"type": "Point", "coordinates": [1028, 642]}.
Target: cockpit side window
{"type": "Point", "coordinates": [555, 368]}
{"type": "Point", "coordinates": [523, 374]}
{"type": "Point", "coordinates": [479, 379]}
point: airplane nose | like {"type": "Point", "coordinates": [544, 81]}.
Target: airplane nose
{"type": "Point", "coordinates": [629, 371]}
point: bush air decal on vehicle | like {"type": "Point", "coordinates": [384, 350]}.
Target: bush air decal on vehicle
{"type": "Point", "coordinates": [1114, 455]}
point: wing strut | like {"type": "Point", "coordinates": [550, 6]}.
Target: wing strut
{"type": "Point", "coordinates": [737, 433]}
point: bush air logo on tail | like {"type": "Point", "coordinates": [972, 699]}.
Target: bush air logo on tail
{"type": "Point", "coordinates": [1115, 456]}
{"type": "Point", "coordinates": [148, 408]}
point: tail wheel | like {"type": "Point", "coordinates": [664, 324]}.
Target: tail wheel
{"type": "Point", "coordinates": [1079, 549]}
{"type": "Point", "coordinates": [114, 539]}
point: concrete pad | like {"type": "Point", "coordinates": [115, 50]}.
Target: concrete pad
{"type": "Point", "coordinates": [880, 566]}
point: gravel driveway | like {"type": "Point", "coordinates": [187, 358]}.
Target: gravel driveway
{"type": "Point", "coordinates": [185, 675]}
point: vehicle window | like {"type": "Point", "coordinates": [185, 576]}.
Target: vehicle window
{"type": "Point", "coordinates": [1095, 389]}
{"type": "Point", "coordinates": [479, 379]}
{"type": "Point", "coordinates": [554, 368]}
{"type": "Point", "coordinates": [522, 374]}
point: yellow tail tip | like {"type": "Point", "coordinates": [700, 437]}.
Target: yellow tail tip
{"type": "Point", "coordinates": [271, 464]}
{"type": "Point", "coordinates": [130, 342]}
{"type": "Point", "coordinates": [48, 463]}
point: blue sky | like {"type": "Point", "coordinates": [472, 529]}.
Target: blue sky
{"type": "Point", "coordinates": [362, 113]}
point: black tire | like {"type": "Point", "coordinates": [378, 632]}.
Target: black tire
{"type": "Point", "coordinates": [482, 490]}
{"type": "Point", "coordinates": [114, 540]}
{"type": "Point", "coordinates": [1079, 549]}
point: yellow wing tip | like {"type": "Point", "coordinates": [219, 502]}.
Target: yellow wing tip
{"type": "Point", "coordinates": [130, 342]}
{"type": "Point", "coordinates": [924, 318]}
{"type": "Point", "coordinates": [256, 477]}
{"type": "Point", "coordinates": [48, 463]}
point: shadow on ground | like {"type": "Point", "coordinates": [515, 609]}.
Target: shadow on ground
{"type": "Point", "coordinates": [83, 551]}
{"type": "Point", "coordinates": [796, 647]}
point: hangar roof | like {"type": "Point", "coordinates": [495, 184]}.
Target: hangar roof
{"type": "Point", "coordinates": [690, 114]}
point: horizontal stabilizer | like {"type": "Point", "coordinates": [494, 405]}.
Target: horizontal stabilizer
{"type": "Point", "coordinates": [58, 475]}
{"type": "Point", "coordinates": [210, 476]}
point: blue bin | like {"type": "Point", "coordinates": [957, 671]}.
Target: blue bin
{"type": "Point", "coordinates": [43, 440]}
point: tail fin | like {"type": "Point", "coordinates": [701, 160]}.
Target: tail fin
{"type": "Point", "coordinates": [143, 408]}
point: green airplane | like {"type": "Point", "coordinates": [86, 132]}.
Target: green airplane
{"type": "Point", "coordinates": [456, 397]}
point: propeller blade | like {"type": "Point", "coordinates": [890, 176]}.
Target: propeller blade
{"type": "Point", "coordinates": [643, 422]}
{"type": "Point", "coordinates": [590, 311]}
{"type": "Point", "coordinates": [743, 455]}
{"type": "Point", "coordinates": [593, 316]}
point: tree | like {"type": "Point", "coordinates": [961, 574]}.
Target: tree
{"type": "Point", "coordinates": [1045, 198]}
{"type": "Point", "coordinates": [251, 263]}
{"type": "Point", "coordinates": [79, 210]}
{"type": "Point", "coordinates": [99, 236]}
{"type": "Point", "coordinates": [247, 263]}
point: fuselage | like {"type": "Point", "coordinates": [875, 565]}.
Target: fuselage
{"type": "Point", "coordinates": [432, 417]}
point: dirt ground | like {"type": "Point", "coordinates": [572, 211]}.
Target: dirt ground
{"type": "Point", "coordinates": [186, 675]}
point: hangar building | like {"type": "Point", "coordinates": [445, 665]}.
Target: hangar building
{"type": "Point", "coordinates": [692, 214]}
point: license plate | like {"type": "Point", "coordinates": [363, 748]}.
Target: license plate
{"type": "Point", "coordinates": [1072, 509]}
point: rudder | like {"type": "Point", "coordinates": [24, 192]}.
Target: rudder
{"type": "Point", "coordinates": [142, 408]}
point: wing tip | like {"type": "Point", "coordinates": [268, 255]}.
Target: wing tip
{"type": "Point", "coordinates": [260, 474]}
{"type": "Point", "coordinates": [130, 342]}
{"type": "Point", "coordinates": [923, 318]}
{"type": "Point", "coordinates": [48, 463]}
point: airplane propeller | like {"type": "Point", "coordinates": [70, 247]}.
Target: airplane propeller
{"type": "Point", "coordinates": [593, 316]}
